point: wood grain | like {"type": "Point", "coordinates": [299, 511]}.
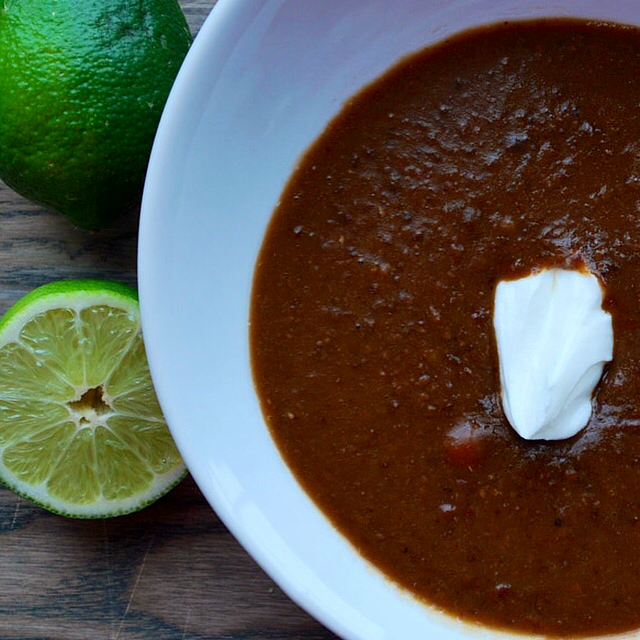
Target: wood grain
{"type": "Point", "coordinates": [169, 572]}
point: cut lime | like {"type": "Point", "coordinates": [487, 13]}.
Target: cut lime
{"type": "Point", "coordinates": [81, 430]}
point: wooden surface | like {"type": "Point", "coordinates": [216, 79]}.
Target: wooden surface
{"type": "Point", "coordinates": [169, 572]}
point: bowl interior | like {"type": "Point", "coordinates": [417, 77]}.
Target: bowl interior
{"type": "Point", "coordinates": [259, 85]}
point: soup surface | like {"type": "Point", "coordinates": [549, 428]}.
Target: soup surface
{"type": "Point", "coordinates": [500, 151]}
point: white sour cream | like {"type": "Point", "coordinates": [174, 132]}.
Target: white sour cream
{"type": "Point", "coordinates": [554, 340]}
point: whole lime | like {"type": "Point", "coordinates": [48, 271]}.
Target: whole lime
{"type": "Point", "coordinates": [82, 87]}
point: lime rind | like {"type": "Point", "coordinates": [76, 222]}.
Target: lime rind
{"type": "Point", "coordinates": [101, 508]}
{"type": "Point", "coordinates": [64, 294]}
{"type": "Point", "coordinates": [60, 346]}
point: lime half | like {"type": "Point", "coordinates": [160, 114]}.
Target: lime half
{"type": "Point", "coordinates": [81, 430]}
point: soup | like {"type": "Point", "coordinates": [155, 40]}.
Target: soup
{"type": "Point", "coordinates": [500, 151]}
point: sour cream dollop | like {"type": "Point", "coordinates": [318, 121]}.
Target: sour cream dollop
{"type": "Point", "coordinates": [554, 340]}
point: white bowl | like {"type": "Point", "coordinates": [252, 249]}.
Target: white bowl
{"type": "Point", "coordinates": [262, 80]}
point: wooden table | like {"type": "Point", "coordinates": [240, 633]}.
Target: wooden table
{"type": "Point", "coordinates": [171, 571]}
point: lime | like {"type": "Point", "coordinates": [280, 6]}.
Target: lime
{"type": "Point", "coordinates": [82, 87]}
{"type": "Point", "coordinates": [81, 431]}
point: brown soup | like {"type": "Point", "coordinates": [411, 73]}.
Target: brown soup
{"type": "Point", "coordinates": [499, 151]}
